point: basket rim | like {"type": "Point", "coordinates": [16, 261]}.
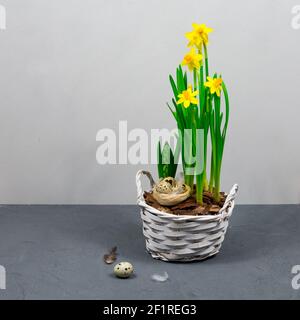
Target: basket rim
{"type": "Point", "coordinates": [221, 215]}
{"type": "Point", "coordinates": [224, 212]}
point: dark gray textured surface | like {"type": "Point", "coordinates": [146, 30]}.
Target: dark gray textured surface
{"type": "Point", "coordinates": [55, 252]}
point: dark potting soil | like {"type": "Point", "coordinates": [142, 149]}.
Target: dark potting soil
{"type": "Point", "coordinates": [190, 205]}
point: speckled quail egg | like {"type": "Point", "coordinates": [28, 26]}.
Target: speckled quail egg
{"type": "Point", "coordinates": [166, 185]}
{"type": "Point", "coordinates": [167, 192]}
{"type": "Point", "coordinates": [123, 270]}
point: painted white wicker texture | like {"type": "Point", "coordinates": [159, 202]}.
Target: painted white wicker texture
{"type": "Point", "coordinates": [182, 238]}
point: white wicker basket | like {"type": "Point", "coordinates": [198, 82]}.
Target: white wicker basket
{"type": "Point", "coordinates": [182, 238]}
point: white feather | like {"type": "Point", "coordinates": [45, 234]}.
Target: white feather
{"type": "Point", "coordinates": [160, 278]}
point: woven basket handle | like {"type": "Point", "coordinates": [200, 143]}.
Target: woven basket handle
{"type": "Point", "coordinates": [139, 182]}
{"type": "Point", "coordinates": [230, 197]}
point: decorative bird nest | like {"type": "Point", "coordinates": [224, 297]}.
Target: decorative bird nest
{"type": "Point", "coordinates": [169, 192]}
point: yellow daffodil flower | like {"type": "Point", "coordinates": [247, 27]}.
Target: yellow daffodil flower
{"type": "Point", "coordinates": [187, 97]}
{"type": "Point", "coordinates": [192, 60]}
{"type": "Point", "coordinates": [199, 35]}
{"type": "Point", "coordinates": [214, 84]}
{"type": "Point", "coordinates": [194, 39]}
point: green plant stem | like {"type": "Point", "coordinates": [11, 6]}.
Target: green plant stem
{"type": "Point", "coordinates": [201, 180]}
{"type": "Point", "coordinates": [206, 61]}
{"type": "Point", "coordinates": [205, 184]}
{"type": "Point", "coordinates": [218, 146]}
{"type": "Point", "coordinates": [207, 116]}
{"type": "Point", "coordinates": [189, 180]}
{"type": "Point", "coordinates": [211, 178]}
{"type": "Point", "coordinates": [199, 188]}
{"type": "Point", "coordinates": [201, 85]}
{"type": "Point", "coordinates": [195, 79]}
{"type": "Point", "coordinates": [217, 183]}
{"type": "Point", "coordinates": [201, 91]}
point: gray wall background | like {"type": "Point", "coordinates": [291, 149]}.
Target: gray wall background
{"type": "Point", "coordinates": [69, 68]}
